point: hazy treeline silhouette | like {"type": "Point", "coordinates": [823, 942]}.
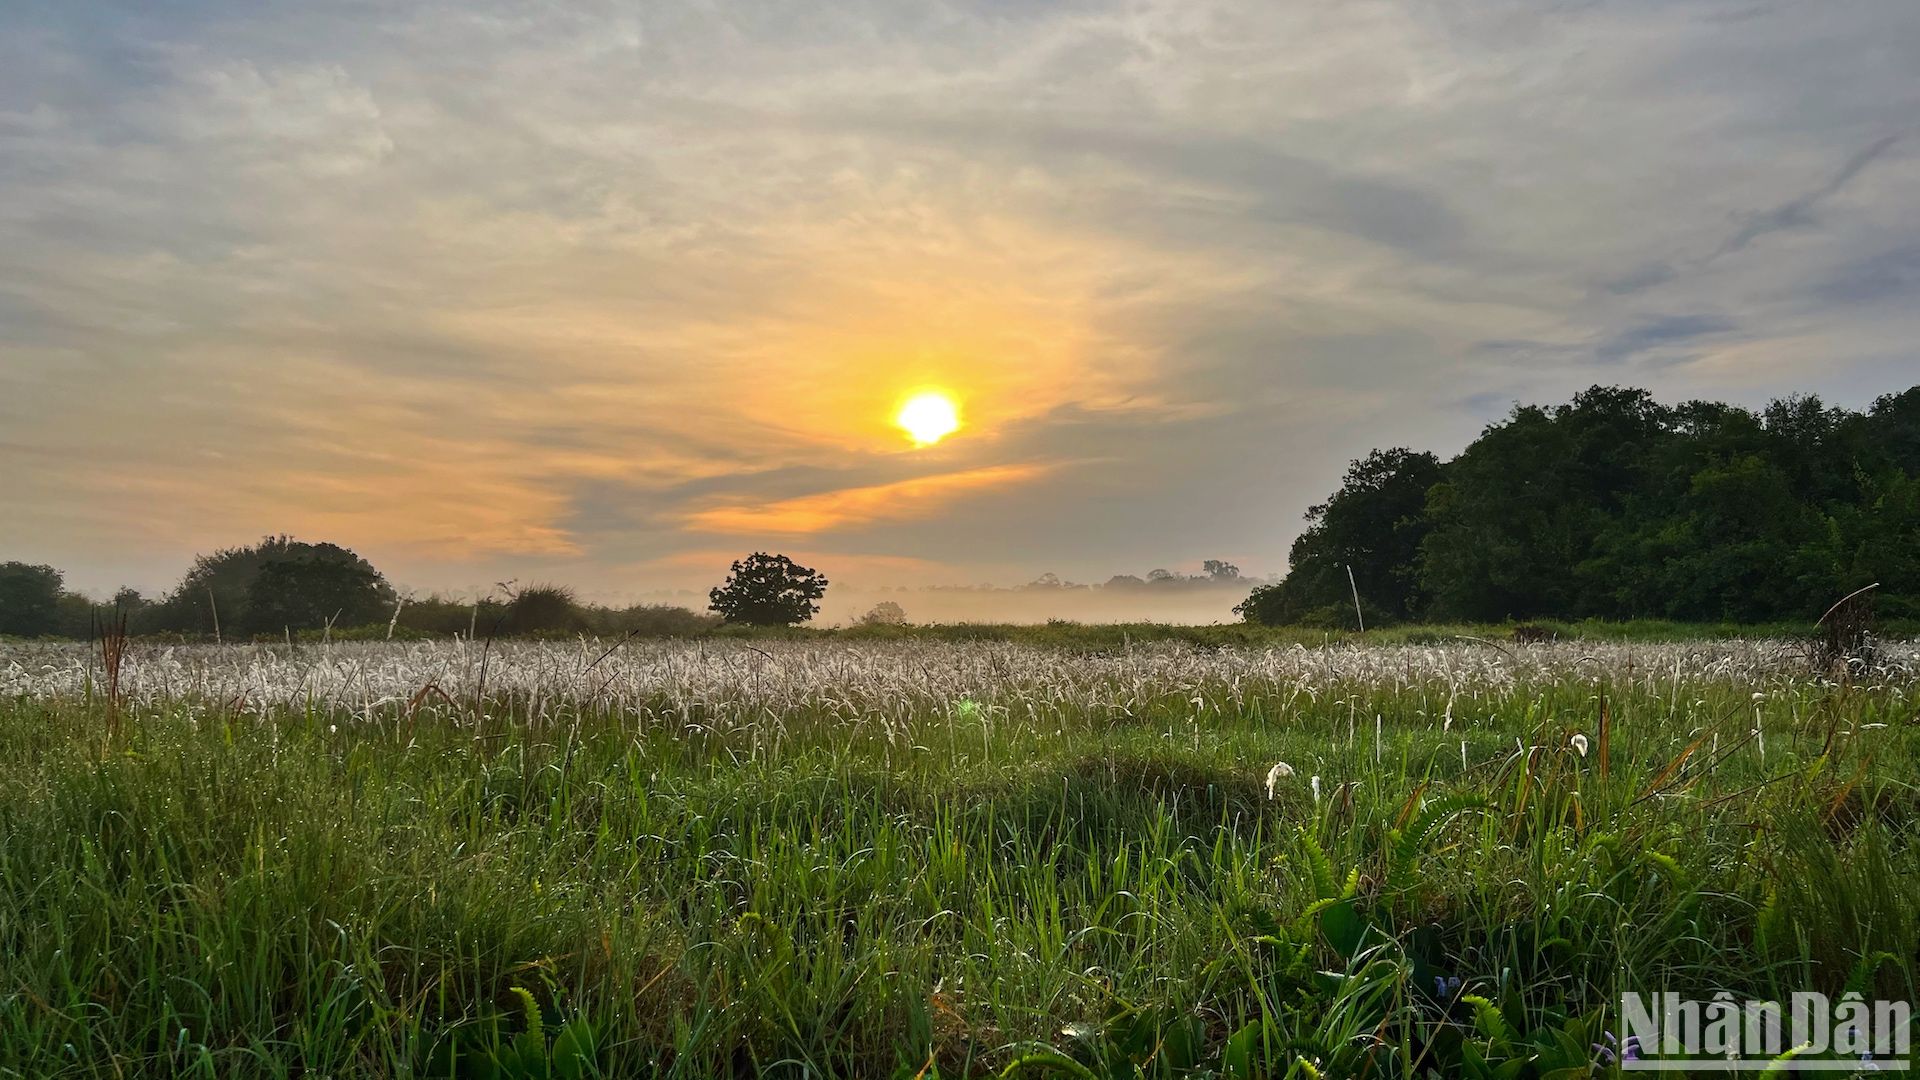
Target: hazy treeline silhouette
{"type": "Point", "coordinates": [283, 587]}
{"type": "Point", "coordinates": [1616, 506]}
{"type": "Point", "coordinates": [1613, 506]}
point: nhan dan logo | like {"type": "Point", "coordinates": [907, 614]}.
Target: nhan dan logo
{"type": "Point", "coordinates": [1810, 1033]}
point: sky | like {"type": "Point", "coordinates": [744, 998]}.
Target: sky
{"type": "Point", "coordinates": [613, 293]}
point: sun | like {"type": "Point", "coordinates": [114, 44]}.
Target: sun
{"type": "Point", "coordinates": [928, 417]}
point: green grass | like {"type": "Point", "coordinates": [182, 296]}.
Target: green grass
{"type": "Point", "coordinates": [1067, 634]}
{"type": "Point", "coordinates": [194, 890]}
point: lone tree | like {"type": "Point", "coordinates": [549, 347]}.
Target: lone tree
{"type": "Point", "coordinates": [769, 590]}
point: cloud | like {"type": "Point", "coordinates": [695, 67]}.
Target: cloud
{"type": "Point", "coordinates": [1888, 276]}
{"type": "Point", "coordinates": [494, 290]}
{"type": "Point", "coordinates": [914, 499]}
{"type": "Point", "coordinates": [1798, 212]}
{"type": "Point", "coordinates": [1657, 333]}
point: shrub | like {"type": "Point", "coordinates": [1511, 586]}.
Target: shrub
{"type": "Point", "coordinates": [543, 609]}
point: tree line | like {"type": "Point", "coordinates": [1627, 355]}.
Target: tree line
{"type": "Point", "coordinates": [286, 588]}
{"type": "Point", "coordinates": [282, 587]}
{"type": "Point", "coordinates": [1616, 506]}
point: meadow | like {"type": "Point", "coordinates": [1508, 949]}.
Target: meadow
{"type": "Point", "coordinates": [909, 856]}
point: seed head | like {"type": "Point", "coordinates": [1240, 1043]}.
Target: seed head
{"type": "Point", "coordinates": [1280, 771]}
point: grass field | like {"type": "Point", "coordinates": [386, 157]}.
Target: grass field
{"type": "Point", "coordinates": [854, 857]}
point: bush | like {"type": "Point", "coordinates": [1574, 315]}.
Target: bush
{"type": "Point", "coordinates": [544, 609]}
{"type": "Point", "coordinates": [650, 620]}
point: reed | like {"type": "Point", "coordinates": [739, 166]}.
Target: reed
{"type": "Point", "coordinates": [916, 858]}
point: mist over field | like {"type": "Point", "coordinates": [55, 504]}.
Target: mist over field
{"type": "Point", "coordinates": [1196, 603]}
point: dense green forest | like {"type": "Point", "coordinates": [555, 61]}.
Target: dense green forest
{"type": "Point", "coordinates": [1615, 506]}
